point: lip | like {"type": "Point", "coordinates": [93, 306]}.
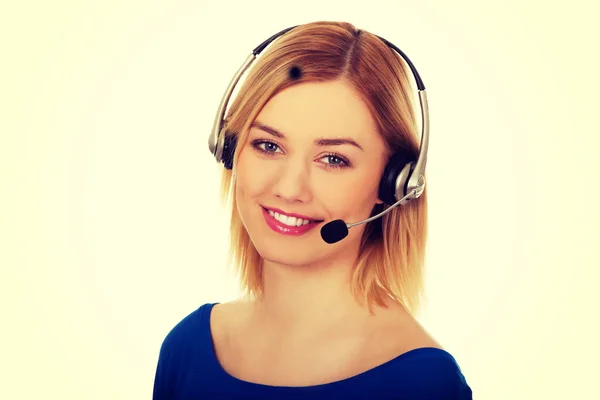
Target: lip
{"type": "Point", "coordinates": [277, 210]}
{"type": "Point", "coordinates": [286, 229]}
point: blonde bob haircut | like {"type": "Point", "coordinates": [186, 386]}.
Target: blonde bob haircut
{"type": "Point", "coordinates": [392, 254]}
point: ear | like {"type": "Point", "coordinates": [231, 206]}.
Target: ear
{"type": "Point", "coordinates": [379, 201]}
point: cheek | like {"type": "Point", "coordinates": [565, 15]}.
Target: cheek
{"type": "Point", "coordinates": [352, 197]}
{"type": "Point", "coordinates": [250, 183]}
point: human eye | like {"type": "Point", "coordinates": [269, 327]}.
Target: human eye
{"type": "Point", "coordinates": [334, 160]}
{"type": "Point", "coordinates": [265, 146]}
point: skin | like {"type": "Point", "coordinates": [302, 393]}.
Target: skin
{"type": "Point", "coordinates": [299, 176]}
{"type": "Point", "coordinates": [307, 305]}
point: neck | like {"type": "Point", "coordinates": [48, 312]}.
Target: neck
{"type": "Point", "coordinates": [307, 299]}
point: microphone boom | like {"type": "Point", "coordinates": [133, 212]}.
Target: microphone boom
{"type": "Point", "coordinates": [336, 230]}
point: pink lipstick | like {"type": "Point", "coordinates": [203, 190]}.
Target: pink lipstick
{"type": "Point", "coordinates": [285, 229]}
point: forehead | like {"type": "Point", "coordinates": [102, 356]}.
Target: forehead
{"type": "Point", "coordinates": [320, 109]}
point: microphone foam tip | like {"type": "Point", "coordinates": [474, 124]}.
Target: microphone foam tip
{"type": "Point", "coordinates": [334, 231]}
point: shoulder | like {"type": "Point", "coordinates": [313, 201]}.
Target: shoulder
{"type": "Point", "coordinates": [398, 332]}
{"type": "Point", "coordinates": [186, 329]}
{"type": "Point", "coordinates": [432, 373]}
{"type": "Point", "coordinates": [422, 366]}
{"type": "Point", "coordinates": [182, 340]}
{"type": "Point", "coordinates": [210, 319]}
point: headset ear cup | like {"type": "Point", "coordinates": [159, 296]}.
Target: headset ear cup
{"type": "Point", "coordinates": [229, 150]}
{"type": "Point", "coordinates": [387, 185]}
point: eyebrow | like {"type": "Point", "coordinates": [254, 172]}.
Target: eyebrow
{"type": "Point", "coordinates": [319, 142]}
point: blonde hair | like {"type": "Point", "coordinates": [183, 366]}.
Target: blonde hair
{"type": "Point", "coordinates": [392, 256]}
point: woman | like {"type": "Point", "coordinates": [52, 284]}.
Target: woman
{"type": "Point", "coordinates": [309, 139]}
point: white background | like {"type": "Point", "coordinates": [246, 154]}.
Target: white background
{"type": "Point", "coordinates": [111, 230]}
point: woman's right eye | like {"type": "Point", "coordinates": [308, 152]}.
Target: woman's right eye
{"type": "Point", "coordinates": [265, 146]}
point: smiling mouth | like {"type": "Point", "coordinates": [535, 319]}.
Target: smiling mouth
{"type": "Point", "coordinates": [290, 220]}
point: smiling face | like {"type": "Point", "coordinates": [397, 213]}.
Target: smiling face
{"type": "Point", "coordinates": [313, 153]}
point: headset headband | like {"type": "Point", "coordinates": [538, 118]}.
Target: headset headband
{"type": "Point", "coordinates": [416, 180]}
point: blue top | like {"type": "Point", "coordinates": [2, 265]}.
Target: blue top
{"type": "Point", "coordinates": [189, 369]}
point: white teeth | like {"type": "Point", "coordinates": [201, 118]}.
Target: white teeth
{"type": "Point", "coordinates": [291, 221]}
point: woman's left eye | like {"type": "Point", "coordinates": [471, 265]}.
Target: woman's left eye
{"type": "Point", "coordinates": [334, 161]}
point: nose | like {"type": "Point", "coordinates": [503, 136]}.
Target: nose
{"type": "Point", "coordinates": [292, 183]}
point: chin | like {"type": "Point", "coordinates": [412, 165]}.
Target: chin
{"type": "Point", "coordinates": [290, 250]}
